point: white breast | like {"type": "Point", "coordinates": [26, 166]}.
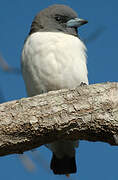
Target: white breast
{"type": "Point", "coordinates": [52, 60]}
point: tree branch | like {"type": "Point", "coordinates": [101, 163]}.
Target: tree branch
{"type": "Point", "coordinates": [86, 113]}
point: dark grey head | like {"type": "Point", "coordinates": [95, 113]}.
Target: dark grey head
{"type": "Point", "coordinates": [57, 18]}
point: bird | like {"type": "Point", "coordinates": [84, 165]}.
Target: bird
{"type": "Point", "coordinates": [53, 58]}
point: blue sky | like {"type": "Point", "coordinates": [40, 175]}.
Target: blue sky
{"type": "Point", "coordinates": [94, 160]}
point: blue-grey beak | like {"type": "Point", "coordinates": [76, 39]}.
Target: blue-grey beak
{"type": "Point", "coordinates": [77, 22]}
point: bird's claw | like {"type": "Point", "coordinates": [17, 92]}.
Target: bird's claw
{"type": "Point", "coordinates": [83, 84]}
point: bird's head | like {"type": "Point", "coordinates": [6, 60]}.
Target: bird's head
{"type": "Point", "coordinates": [57, 18]}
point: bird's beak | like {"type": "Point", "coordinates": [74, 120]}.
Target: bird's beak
{"type": "Point", "coordinates": [77, 22]}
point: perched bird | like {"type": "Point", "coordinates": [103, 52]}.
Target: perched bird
{"type": "Point", "coordinates": [54, 57]}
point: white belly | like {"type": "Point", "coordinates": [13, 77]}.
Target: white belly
{"type": "Point", "coordinates": [51, 61]}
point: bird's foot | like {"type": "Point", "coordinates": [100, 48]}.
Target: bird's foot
{"type": "Point", "coordinates": [83, 84]}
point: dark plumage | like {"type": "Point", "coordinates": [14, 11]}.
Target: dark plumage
{"type": "Point", "coordinates": [65, 165]}
{"type": "Point", "coordinates": [54, 19]}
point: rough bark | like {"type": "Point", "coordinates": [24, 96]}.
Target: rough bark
{"type": "Point", "coordinates": [86, 113]}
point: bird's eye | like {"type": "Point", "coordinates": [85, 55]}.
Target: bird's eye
{"type": "Point", "coordinates": [59, 18]}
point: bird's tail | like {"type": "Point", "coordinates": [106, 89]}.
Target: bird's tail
{"type": "Point", "coordinates": [65, 165]}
